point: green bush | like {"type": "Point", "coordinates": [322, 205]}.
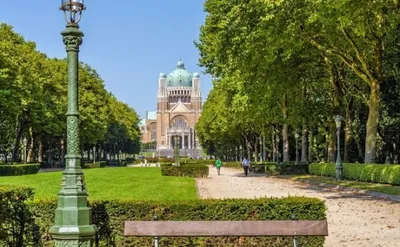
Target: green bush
{"type": "Point", "coordinates": [17, 225]}
{"type": "Point", "coordinates": [185, 170]}
{"type": "Point", "coordinates": [116, 163]}
{"type": "Point", "coordinates": [166, 160]}
{"type": "Point", "coordinates": [375, 173]}
{"type": "Point", "coordinates": [98, 164]}
{"type": "Point", "coordinates": [130, 160]}
{"type": "Point", "coordinates": [109, 217]}
{"type": "Point", "coordinates": [232, 164]}
{"type": "Point", "coordinates": [19, 169]}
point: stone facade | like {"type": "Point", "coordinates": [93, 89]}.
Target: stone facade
{"type": "Point", "coordinates": [179, 107]}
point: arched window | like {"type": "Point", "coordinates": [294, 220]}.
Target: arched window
{"type": "Point", "coordinates": [179, 122]}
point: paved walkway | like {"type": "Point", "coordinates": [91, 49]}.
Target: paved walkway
{"type": "Point", "coordinates": [353, 219]}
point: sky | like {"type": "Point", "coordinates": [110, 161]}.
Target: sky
{"type": "Point", "coordinates": [128, 42]}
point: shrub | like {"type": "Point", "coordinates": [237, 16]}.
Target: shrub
{"type": "Point", "coordinates": [284, 168]}
{"type": "Point", "coordinates": [19, 169]}
{"type": "Point", "coordinates": [233, 164]}
{"type": "Point", "coordinates": [166, 160]}
{"type": "Point", "coordinates": [109, 217]}
{"type": "Point", "coordinates": [116, 163]}
{"type": "Point", "coordinates": [185, 170]}
{"type": "Point", "coordinates": [375, 173]}
{"type": "Point", "coordinates": [98, 164]}
{"type": "Point", "coordinates": [17, 225]}
{"type": "Point", "coordinates": [130, 160]}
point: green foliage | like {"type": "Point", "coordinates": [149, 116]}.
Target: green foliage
{"type": "Point", "coordinates": [33, 97]}
{"type": "Point", "coordinates": [284, 65]}
{"type": "Point", "coordinates": [230, 164]}
{"type": "Point", "coordinates": [17, 224]}
{"type": "Point", "coordinates": [109, 217]}
{"type": "Point", "coordinates": [185, 170]}
{"type": "Point", "coordinates": [375, 173]}
{"type": "Point", "coordinates": [19, 169]}
{"type": "Point", "coordinates": [98, 164]}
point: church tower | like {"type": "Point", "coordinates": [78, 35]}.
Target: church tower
{"type": "Point", "coordinates": [179, 106]}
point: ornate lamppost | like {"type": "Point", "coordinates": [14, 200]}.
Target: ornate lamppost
{"type": "Point", "coordinates": [73, 219]}
{"type": "Point", "coordinates": [297, 136]}
{"type": "Point", "coordinates": [339, 165]}
{"type": "Point", "coordinates": [25, 141]}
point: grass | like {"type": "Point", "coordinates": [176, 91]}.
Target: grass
{"type": "Point", "coordinates": [113, 184]}
{"type": "Point", "coordinates": [382, 188]}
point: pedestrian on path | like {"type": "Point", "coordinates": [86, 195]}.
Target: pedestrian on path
{"type": "Point", "coordinates": [218, 165]}
{"type": "Point", "coordinates": [246, 165]}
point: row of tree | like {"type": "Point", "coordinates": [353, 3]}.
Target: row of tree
{"type": "Point", "coordinates": [287, 66]}
{"type": "Point", "coordinates": [33, 103]}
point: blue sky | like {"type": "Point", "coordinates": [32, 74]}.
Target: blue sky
{"type": "Point", "coordinates": [128, 42]}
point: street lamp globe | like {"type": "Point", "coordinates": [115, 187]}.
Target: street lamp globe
{"type": "Point", "coordinates": [338, 121]}
{"type": "Point", "coordinates": [296, 135]}
{"type": "Point", "coordinates": [72, 10]}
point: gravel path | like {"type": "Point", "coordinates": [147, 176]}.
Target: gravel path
{"type": "Point", "coordinates": [353, 219]}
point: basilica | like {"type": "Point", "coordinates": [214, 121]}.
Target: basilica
{"type": "Point", "coordinates": [179, 107]}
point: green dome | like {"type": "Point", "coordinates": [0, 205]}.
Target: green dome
{"type": "Point", "coordinates": [179, 77]}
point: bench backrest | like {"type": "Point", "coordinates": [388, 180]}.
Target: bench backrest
{"type": "Point", "coordinates": [226, 228]}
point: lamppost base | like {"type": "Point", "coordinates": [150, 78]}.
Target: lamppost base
{"type": "Point", "coordinates": [72, 236]}
{"type": "Point", "coordinates": [339, 172]}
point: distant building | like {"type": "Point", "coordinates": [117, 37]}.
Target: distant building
{"type": "Point", "coordinates": [179, 108]}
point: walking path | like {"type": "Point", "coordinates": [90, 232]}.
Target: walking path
{"type": "Point", "coordinates": [354, 219]}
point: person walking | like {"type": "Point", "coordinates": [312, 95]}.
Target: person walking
{"type": "Point", "coordinates": [246, 165]}
{"type": "Point", "coordinates": [218, 164]}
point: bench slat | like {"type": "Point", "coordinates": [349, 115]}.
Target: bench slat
{"type": "Point", "coordinates": [226, 228]}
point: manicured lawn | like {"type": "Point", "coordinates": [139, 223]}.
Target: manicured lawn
{"type": "Point", "coordinates": [114, 183]}
{"type": "Point", "coordinates": [383, 188]}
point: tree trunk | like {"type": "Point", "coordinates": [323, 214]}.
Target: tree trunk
{"type": "Point", "coordinates": [274, 151]}
{"type": "Point", "coordinates": [310, 145]}
{"type": "Point", "coordinates": [326, 147]}
{"type": "Point", "coordinates": [256, 150]}
{"type": "Point", "coordinates": [263, 148]}
{"type": "Point", "coordinates": [40, 151]}
{"type": "Point", "coordinates": [29, 157]}
{"type": "Point", "coordinates": [372, 123]}
{"type": "Point", "coordinates": [18, 133]}
{"type": "Point", "coordinates": [348, 135]}
{"type": "Point", "coordinates": [332, 142]}
{"type": "Point", "coordinates": [304, 145]}
{"type": "Point", "coordinates": [248, 149]}
{"type": "Point", "coordinates": [285, 144]}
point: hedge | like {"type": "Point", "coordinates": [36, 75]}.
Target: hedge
{"type": "Point", "coordinates": [184, 170]}
{"type": "Point", "coordinates": [15, 215]}
{"type": "Point", "coordinates": [116, 163]}
{"type": "Point", "coordinates": [98, 164]}
{"type": "Point", "coordinates": [109, 217]}
{"type": "Point", "coordinates": [375, 173]}
{"type": "Point", "coordinates": [19, 169]}
{"type": "Point", "coordinates": [36, 217]}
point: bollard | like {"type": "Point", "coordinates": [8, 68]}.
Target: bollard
{"type": "Point", "coordinates": [295, 239]}
{"type": "Point", "coordinates": [155, 238]}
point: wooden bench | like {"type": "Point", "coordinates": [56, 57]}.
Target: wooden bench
{"type": "Point", "coordinates": [293, 228]}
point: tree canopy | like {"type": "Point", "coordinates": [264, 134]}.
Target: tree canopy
{"type": "Point", "coordinates": [286, 66]}
{"type": "Point", "coordinates": [33, 103]}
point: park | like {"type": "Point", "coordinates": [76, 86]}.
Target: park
{"type": "Point", "coordinates": [296, 143]}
